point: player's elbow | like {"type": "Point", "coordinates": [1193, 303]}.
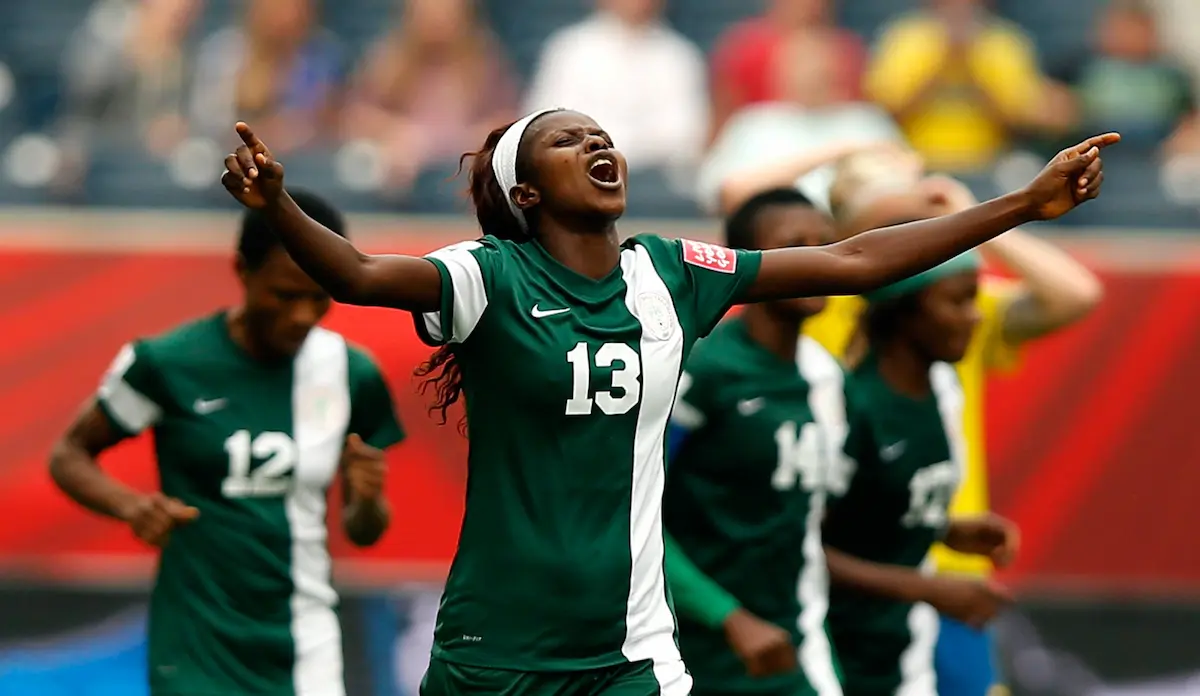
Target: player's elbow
{"type": "Point", "coordinates": [1071, 303]}
{"type": "Point", "coordinates": [1085, 297]}
{"type": "Point", "coordinates": [857, 271]}
{"type": "Point", "coordinates": [65, 458]}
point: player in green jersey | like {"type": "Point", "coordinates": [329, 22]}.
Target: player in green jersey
{"type": "Point", "coordinates": [905, 454]}
{"type": "Point", "coordinates": [254, 410]}
{"type": "Point", "coordinates": [757, 411]}
{"type": "Point", "coordinates": [567, 344]}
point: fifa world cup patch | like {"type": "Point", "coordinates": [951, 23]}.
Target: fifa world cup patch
{"type": "Point", "coordinates": [710, 256]}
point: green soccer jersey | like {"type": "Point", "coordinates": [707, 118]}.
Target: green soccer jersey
{"type": "Point", "coordinates": [909, 456]}
{"type": "Point", "coordinates": [569, 382]}
{"type": "Point", "coordinates": [243, 603]}
{"type": "Point", "coordinates": [746, 497]}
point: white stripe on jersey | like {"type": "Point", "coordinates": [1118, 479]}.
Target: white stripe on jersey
{"type": "Point", "coordinates": [470, 296]}
{"type": "Point", "coordinates": [826, 400]}
{"type": "Point", "coordinates": [133, 410]}
{"type": "Point", "coordinates": [650, 625]}
{"type": "Point", "coordinates": [917, 674]}
{"type": "Point", "coordinates": [320, 414]}
{"type": "Point", "coordinates": [943, 378]}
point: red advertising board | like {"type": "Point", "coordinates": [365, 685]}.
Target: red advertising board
{"type": "Point", "coordinates": [1093, 441]}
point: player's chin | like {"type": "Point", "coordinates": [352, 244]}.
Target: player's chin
{"type": "Point", "coordinates": [954, 350]}
{"type": "Point", "coordinates": [607, 202]}
{"type": "Point", "coordinates": [798, 309]}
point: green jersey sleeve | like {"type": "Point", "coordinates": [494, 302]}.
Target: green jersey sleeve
{"type": "Point", "coordinates": [696, 595]}
{"type": "Point", "coordinates": [470, 272]}
{"type": "Point", "coordinates": [715, 277]}
{"type": "Point", "coordinates": [372, 411]}
{"type": "Point", "coordinates": [131, 394]}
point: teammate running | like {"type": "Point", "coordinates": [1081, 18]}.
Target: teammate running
{"type": "Point", "coordinates": [907, 451]}
{"type": "Point", "coordinates": [745, 494]}
{"type": "Point", "coordinates": [254, 410]}
{"type": "Point", "coordinates": [568, 344]}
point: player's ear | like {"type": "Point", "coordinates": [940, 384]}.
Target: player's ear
{"type": "Point", "coordinates": [241, 268]}
{"type": "Point", "coordinates": [526, 196]}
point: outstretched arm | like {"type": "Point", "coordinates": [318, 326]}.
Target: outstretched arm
{"type": "Point", "coordinates": [883, 256]}
{"type": "Point", "coordinates": [255, 179]}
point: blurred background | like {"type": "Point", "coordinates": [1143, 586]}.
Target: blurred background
{"type": "Point", "coordinates": [115, 116]}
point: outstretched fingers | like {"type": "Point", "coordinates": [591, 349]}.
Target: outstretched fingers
{"type": "Point", "coordinates": [1097, 141]}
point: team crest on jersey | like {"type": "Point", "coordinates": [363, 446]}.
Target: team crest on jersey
{"type": "Point", "coordinates": [710, 256]}
{"type": "Point", "coordinates": [323, 409]}
{"type": "Point", "coordinates": [654, 311]}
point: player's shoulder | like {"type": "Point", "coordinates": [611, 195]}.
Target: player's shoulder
{"type": "Point", "coordinates": [722, 356]}
{"type": "Point", "coordinates": [183, 342]}
{"type": "Point", "coordinates": [360, 360]}
{"type": "Point", "coordinates": [685, 255]}
{"type": "Point", "coordinates": [817, 365]}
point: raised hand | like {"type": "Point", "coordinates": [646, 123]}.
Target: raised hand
{"type": "Point", "coordinates": [155, 515]}
{"type": "Point", "coordinates": [252, 175]}
{"type": "Point", "coordinates": [365, 467]}
{"type": "Point", "coordinates": [1072, 177]}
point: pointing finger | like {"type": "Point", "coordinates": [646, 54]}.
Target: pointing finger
{"type": "Point", "coordinates": [1098, 141]}
{"type": "Point", "coordinates": [248, 136]}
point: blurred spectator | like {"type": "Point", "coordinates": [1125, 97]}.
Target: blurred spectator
{"type": "Point", "coordinates": [1129, 85]}
{"type": "Point", "coordinates": [793, 53]}
{"type": "Point", "coordinates": [432, 88]}
{"type": "Point", "coordinates": [961, 82]}
{"type": "Point", "coordinates": [125, 77]}
{"type": "Point", "coordinates": [639, 78]}
{"type": "Point", "coordinates": [1179, 28]}
{"type": "Point", "coordinates": [280, 71]}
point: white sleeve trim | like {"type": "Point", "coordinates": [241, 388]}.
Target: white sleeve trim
{"type": "Point", "coordinates": [685, 415]}
{"type": "Point", "coordinates": [132, 410]}
{"type": "Point", "coordinates": [470, 295]}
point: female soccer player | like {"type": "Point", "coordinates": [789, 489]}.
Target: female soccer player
{"type": "Point", "coordinates": [254, 410]}
{"type": "Point", "coordinates": [758, 409]}
{"type": "Point", "coordinates": [567, 344]}
{"type": "Point", "coordinates": [907, 451]}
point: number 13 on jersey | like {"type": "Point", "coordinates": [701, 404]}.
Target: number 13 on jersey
{"type": "Point", "coordinates": [626, 387]}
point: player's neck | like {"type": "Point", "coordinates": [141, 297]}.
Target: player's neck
{"type": "Point", "coordinates": [590, 248]}
{"type": "Point", "coordinates": [776, 335]}
{"type": "Point", "coordinates": [904, 369]}
{"type": "Point", "coordinates": [243, 337]}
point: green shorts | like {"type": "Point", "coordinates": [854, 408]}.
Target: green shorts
{"type": "Point", "coordinates": [632, 679]}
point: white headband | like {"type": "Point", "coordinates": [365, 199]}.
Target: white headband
{"type": "Point", "coordinates": [504, 161]}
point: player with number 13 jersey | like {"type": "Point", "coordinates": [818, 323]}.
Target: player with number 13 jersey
{"type": "Point", "coordinates": [567, 345]}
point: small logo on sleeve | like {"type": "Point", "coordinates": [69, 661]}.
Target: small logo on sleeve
{"type": "Point", "coordinates": [710, 256]}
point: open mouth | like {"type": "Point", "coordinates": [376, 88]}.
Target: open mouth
{"type": "Point", "coordinates": [604, 173]}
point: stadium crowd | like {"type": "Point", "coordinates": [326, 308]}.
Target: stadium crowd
{"type": "Point", "coordinates": [382, 97]}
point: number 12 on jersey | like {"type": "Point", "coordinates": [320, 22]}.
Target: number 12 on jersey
{"type": "Point", "coordinates": [271, 477]}
{"type": "Point", "coordinates": [625, 380]}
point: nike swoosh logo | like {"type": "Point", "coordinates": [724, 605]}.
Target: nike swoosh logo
{"type": "Point", "coordinates": [538, 313]}
{"type": "Point", "coordinates": [893, 451]}
{"type": "Point", "coordinates": [205, 406]}
{"type": "Point", "coordinates": [749, 407]}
